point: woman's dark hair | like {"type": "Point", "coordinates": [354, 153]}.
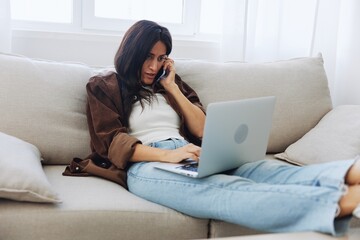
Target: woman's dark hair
{"type": "Point", "coordinates": [130, 57]}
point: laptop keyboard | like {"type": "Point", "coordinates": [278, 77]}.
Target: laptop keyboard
{"type": "Point", "coordinates": [190, 167]}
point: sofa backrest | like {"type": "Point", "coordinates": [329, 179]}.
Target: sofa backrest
{"type": "Point", "coordinates": [44, 102]}
{"type": "Point", "coordinates": [300, 86]}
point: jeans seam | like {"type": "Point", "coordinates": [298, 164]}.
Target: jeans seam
{"type": "Point", "coordinates": [248, 189]}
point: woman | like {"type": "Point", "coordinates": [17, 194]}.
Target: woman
{"type": "Point", "coordinates": [135, 120]}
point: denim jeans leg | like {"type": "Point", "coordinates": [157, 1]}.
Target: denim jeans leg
{"type": "Point", "coordinates": [275, 202]}
{"type": "Point", "coordinates": [169, 143]}
{"type": "Point", "coordinates": [325, 175]}
{"type": "Point", "coordinates": [266, 207]}
{"type": "Point", "coordinates": [329, 174]}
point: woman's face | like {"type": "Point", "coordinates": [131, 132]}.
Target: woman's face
{"type": "Point", "coordinates": [153, 63]}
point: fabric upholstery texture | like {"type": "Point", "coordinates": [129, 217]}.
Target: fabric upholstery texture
{"type": "Point", "coordinates": [21, 175]}
{"type": "Point", "coordinates": [43, 103]}
{"type": "Point", "coordinates": [56, 121]}
{"type": "Point", "coordinates": [300, 86]}
{"type": "Point", "coordinates": [98, 208]}
{"type": "Point", "coordinates": [335, 137]}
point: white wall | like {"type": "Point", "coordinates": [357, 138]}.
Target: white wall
{"type": "Point", "coordinates": [95, 50]}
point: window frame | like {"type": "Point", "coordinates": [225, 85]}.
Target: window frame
{"type": "Point", "coordinates": [74, 26]}
{"type": "Point", "coordinates": [189, 26]}
{"type": "Point", "coordinates": [84, 21]}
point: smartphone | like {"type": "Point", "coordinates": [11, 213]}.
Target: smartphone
{"type": "Point", "coordinates": [160, 75]}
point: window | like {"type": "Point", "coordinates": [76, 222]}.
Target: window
{"type": "Point", "coordinates": [56, 11]}
{"type": "Point", "coordinates": [139, 9]}
{"type": "Point", "coordinates": [182, 17]}
{"type": "Point", "coordinates": [211, 17]}
{"type": "Point", "coordinates": [46, 15]}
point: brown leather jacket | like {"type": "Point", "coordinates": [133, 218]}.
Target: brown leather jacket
{"type": "Point", "coordinates": [111, 145]}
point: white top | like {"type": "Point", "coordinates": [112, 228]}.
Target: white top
{"type": "Point", "coordinates": [155, 122]}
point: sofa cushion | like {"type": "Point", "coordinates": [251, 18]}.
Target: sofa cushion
{"type": "Point", "coordinates": [43, 102]}
{"type": "Point", "coordinates": [224, 230]}
{"type": "Point", "coordinates": [94, 208]}
{"type": "Point", "coordinates": [300, 86]}
{"type": "Point", "coordinates": [335, 137]}
{"type": "Point", "coordinates": [21, 175]}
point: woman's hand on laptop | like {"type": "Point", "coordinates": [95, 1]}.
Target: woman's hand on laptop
{"type": "Point", "coordinates": [151, 154]}
{"type": "Point", "coordinates": [188, 151]}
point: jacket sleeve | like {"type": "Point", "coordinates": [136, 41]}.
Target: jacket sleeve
{"type": "Point", "coordinates": [109, 138]}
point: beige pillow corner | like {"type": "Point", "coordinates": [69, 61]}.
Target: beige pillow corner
{"type": "Point", "coordinates": [21, 174]}
{"type": "Point", "coordinates": [335, 137]}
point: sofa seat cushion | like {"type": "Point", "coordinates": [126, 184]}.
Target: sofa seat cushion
{"type": "Point", "coordinates": [220, 229]}
{"type": "Point", "coordinates": [223, 230]}
{"type": "Point", "coordinates": [94, 208]}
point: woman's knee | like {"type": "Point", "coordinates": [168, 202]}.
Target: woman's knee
{"type": "Point", "coordinates": [349, 201]}
{"type": "Point", "coordinates": [353, 175]}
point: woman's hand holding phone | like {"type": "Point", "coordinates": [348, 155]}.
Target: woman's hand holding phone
{"type": "Point", "coordinates": [167, 79]}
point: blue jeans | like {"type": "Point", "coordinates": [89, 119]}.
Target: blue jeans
{"type": "Point", "coordinates": [266, 195]}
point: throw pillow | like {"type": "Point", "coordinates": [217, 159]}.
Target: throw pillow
{"type": "Point", "coordinates": [21, 175]}
{"type": "Point", "coordinates": [335, 137]}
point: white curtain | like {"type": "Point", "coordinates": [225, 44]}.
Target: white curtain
{"type": "Point", "coordinates": [347, 85]}
{"type": "Point", "coordinates": [269, 30]}
{"type": "Point", "coordinates": [5, 26]}
{"type": "Point", "coordinates": [264, 30]}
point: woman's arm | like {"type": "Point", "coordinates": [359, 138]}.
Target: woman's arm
{"type": "Point", "coordinates": [193, 115]}
{"type": "Point", "coordinates": [150, 154]}
{"type": "Point", "coordinates": [109, 138]}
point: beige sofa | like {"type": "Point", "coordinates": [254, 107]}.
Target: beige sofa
{"type": "Point", "coordinates": [42, 109]}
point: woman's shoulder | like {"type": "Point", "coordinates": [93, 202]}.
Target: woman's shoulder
{"type": "Point", "coordinates": [99, 77]}
{"type": "Point", "coordinates": [104, 80]}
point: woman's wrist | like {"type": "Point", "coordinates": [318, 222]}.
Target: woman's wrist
{"type": "Point", "coordinates": [149, 154]}
{"type": "Point", "coordinates": [173, 89]}
{"type": "Point", "coordinates": [163, 156]}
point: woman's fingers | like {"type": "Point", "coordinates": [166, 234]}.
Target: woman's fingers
{"type": "Point", "coordinates": [194, 150]}
{"type": "Point", "coordinates": [169, 65]}
{"type": "Point", "coordinates": [189, 151]}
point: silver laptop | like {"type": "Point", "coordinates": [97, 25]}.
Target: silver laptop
{"type": "Point", "coordinates": [236, 132]}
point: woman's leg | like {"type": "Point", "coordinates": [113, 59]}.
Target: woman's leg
{"type": "Point", "coordinates": [333, 174]}
{"type": "Point", "coordinates": [351, 200]}
{"type": "Point", "coordinates": [267, 207]}
{"type": "Point", "coordinates": [353, 176]}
